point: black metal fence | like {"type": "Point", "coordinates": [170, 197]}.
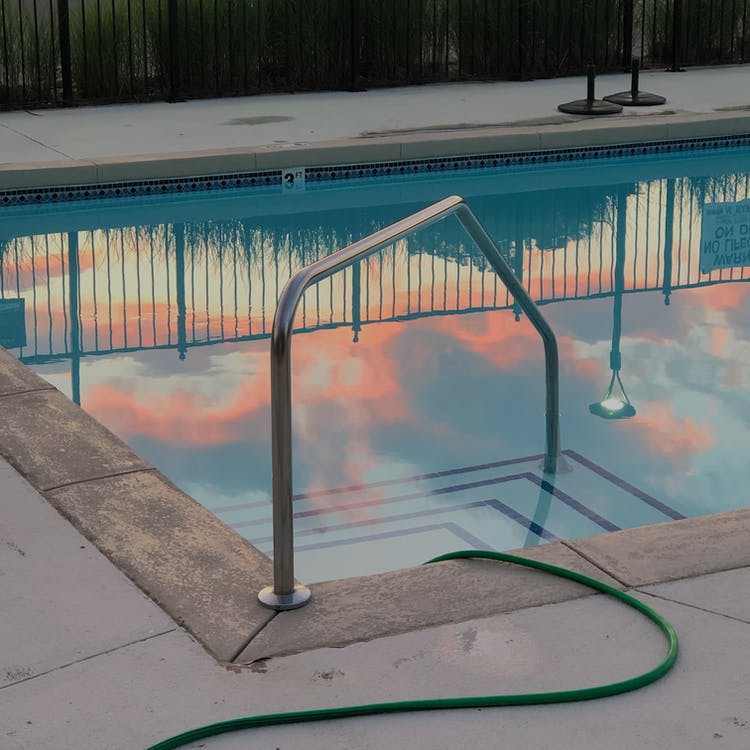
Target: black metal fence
{"type": "Point", "coordinates": [65, 51]}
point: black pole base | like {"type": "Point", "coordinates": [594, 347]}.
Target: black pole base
{"type": "Point", "coordinates": [590, 107]}
{"type": "Point", "coordinates": [639, 99]}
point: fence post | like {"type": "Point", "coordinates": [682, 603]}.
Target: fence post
{"type": "Point", "coordinates": [174, 73]}
{"type": "Point", "coordinates": [63, 30]}
{"type": "Point", "coordinates": [355, 36]}
{"type": "Point", "coordinates": [523, 30]}
{"type": "Point", "coordinates": [676, 38]}
{"type": "Point", "coordinates": [627, 33]}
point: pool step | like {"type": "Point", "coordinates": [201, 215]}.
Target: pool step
{"type": "Point", "coordinates": [499, 505]}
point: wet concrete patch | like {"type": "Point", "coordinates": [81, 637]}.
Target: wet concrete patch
{"type": "Point", "coordinates": [468, 126]}
{"type": "Point", "coordinates": [259, 120]}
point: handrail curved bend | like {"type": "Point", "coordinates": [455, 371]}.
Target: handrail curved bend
{"type": "Point", "coordinates": [285, 594]}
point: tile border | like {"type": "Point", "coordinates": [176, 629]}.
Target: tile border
{"type": "Point", "coordinates": [318, 175]}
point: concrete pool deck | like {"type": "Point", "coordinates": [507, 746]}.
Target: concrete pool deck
{"type": "Point", "coordinates": [88, 661]}
{"type": "Point", "coordinates": [94, 145]}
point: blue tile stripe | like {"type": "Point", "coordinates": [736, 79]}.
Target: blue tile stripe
{"type": "Point", "coordinates": [269, 178]}
{"type": "Point", "coordinates": [494, 503]}
{"type": "Point", "coordinates": [380, 502]}
{"type": "Point", "coordinates": [383, 483]}
{"type": "Point", "coordinates": [454, 528]}
{"type": "Point", "coordinates": [623, 485]}
{"type": "Point", "coordinates": [139, 188]}
{"type": "Point", "coordinates": [584, 510]}
{"type": "Point", "coordinates": [546, 486]}
{"type": "Point", "coordinates": [417, 477]}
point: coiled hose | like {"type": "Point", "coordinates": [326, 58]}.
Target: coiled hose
{"type": "Point", "coordinates": [480, 701]}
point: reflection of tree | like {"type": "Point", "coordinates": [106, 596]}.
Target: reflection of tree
{"type": "Point", "coordinates": [544, 219]}
{"type": "Point", "coordinates": [4, 250]}
{"type": "Point", "coordinates": [717, 188]}
{"type": "Point", "coordinates": [548, 219]}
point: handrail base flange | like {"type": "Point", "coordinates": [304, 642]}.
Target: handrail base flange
{"type": "Point", "coordinates": [281, 602]}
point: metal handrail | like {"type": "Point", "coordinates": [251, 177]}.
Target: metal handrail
{"type": "Point", "coordinates": [285, 593]}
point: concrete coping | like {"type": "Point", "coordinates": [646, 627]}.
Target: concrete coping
{"type": "Point", "coordinates": [559, 133]}
{"type": "Point", "coordinates": [205, 576]}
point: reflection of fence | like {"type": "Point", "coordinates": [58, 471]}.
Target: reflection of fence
{"type": "Point", "coordinates": [53, 52]}
{"type": "Point", "coordinates": [12, 323]}
{"type": "Point", "coordinates": [184, 285]}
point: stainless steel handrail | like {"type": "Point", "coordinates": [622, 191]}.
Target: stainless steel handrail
{"type": "Point", "coordinates": [285, 593]}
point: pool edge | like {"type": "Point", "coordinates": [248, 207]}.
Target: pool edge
{"type": "Point", "coordinates": [576, 133]}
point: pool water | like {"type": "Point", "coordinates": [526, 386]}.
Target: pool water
{"type": "Point", "coordinates": [418, 386]}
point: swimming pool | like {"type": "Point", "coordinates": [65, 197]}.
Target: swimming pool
{"type": "Point", "coordinates": [418, 386]}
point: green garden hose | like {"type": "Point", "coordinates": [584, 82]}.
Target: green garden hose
{"type": "Point", "coordinates": [480, 701]}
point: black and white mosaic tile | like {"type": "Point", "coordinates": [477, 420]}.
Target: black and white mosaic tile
{"type": "Point", "coordinates": [34, 196]}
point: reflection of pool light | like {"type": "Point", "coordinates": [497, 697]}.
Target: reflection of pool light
{"type": "Point", "coordinates": [613, 404]}
{"type": "Point", "coordinates": [613, 407]}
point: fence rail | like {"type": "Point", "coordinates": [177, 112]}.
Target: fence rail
{"type": "Point", "coordinates": [65, 51]}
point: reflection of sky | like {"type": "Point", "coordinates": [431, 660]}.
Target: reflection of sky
{"type": "Point", "coordinates": [417, 395]}
{"type": "Point", "coordinates": [436, 393]}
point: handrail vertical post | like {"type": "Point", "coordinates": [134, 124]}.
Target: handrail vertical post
{"type": "Point", "coordinates": [285, 593]}
{"type": "Point", "coordinates": [551, 355]}
{"type": "Point", "coordinates": [281, 452]}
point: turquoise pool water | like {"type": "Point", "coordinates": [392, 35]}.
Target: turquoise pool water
{"type": "Point", "coordinates": [418, 386]}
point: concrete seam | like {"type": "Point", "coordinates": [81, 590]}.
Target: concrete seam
{"type": "Point", "coordinates": [593, 562]}
{"type": "Point", "coordinates": [692, 606]}
{"type": "Point", "coordinates": [89, 657]}
{"type": "Point", "coordinates": [123, 473]}
{"type": "Point", "coordinates": [34, 140]}
{"type": "Point", "coordinates": [29, 390]}
{"type": "Point", "coordinates": [252, 637]}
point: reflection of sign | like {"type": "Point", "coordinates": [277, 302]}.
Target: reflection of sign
{"type": "Point", "coordinates": [725, 235]}
{"type": "Point", "coordinates": [293, 179]}
{"type": "Point", "coordinates": [12, 323]}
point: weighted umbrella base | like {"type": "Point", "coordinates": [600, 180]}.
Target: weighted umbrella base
{"type": "Point", "coordinates": [590, 107]}
{"type": "Point", "coordinates": [639, 99]}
